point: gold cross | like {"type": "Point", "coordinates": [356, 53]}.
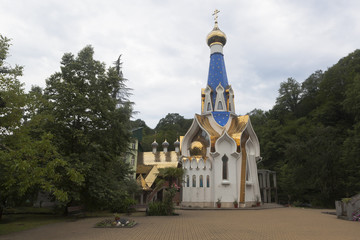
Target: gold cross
{"type": "Point", "coordinates": [215, 14]}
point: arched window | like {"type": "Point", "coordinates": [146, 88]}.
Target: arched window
{"type": "Point", "coordinates": [220, 106]}
{"type": "Point", "coordinates": [230, 107]}
{"type": "Point", "coordinates": [208, 107]}
{"type": "Point", "coordinates": [225, 167]}
{"type": "Point", "coordinates": [194, 181]}
{"type": "Point", "coordinates": [207, 181]}
{"type": "Point", "coordinates": [201, 181]}
{"type": "Point", "coordinates": [187, 181]}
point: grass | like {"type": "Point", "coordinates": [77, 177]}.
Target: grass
{"type": "Point", "coordinates": [24, 218]}
{"type": "Point", "coordinates": [20, 222]}
{"type": "Point", "coordinates": [34, 210]}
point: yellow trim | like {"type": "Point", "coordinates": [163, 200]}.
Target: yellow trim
{"type": "Point", "coordinates": [237, 127]}
{"type": "Point", "coordinates": [243, 173]}
{"type": "Point", "coordinates": [216, 43]}
{"type": "Point", "coordinates": [204, 122]}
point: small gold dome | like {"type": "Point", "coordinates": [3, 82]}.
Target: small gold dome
{"type": "Point", "coordinates": [197, 148]}
{"type": "Point", "coordinates": [216, 36]}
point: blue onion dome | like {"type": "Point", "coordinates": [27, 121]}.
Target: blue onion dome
{"type": "Point", "coordinates": [177, 143]}
{"type": "Point", "coordinates": [154, 144]}
{"type": "Point", "coordinates": [165, 144]}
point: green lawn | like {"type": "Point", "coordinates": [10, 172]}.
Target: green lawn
{"type": "Point", "coordinates": [17, 221]}
{"type": "Point", "coordinates": [20, 222]}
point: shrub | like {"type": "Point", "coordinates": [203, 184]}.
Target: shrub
{"type": "Point", "coordinates": [156, 209]}
{"type": "Point", "coordinates": [126, 206]}
{"type": "Point", "coordinates": [163, 208]}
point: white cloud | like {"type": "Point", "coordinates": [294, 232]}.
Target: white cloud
{"type": "Point", "coordinates": [163, 44]}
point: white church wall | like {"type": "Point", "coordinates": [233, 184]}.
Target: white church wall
{"type": "Point", "coordinates": [226, 186]}
{"type": "Point", "coordinates": [193, 164]}
{"type": "Point", "coordinates": [226, 189]}
{"type": "Point", "coordinates": [209, 183]}
{"type": "Point", "coordinates": [250, 195]}
{"type": "Point", "coordinates": [186, 187]}
{"type": "Point", "coordinates": [196, 193]}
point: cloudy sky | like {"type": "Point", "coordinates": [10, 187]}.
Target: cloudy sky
{"type": "Point", "coordinates": [164, 53]}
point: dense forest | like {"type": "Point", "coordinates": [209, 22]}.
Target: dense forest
{"type": "Point", "coordinates": [311, 137]}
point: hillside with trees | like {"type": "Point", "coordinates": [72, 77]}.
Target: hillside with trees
{"type": "Point", "coordinates": [168, 128]}
{"type": "Point", "coordinates": [311, 136]}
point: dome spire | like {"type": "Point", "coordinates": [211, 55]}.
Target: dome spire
{"type": "Point", "coordinates": [215, 15]}
{"type": "Point", "coordinates": [216, 99]}
{"type": "Point", "coordinates": [216, 36]}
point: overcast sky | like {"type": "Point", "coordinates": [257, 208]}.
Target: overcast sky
{"type": "Point", "coordinates": [163, 47]}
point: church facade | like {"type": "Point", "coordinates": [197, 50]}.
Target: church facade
{"type": "Point", "coordinates": [219, 152]}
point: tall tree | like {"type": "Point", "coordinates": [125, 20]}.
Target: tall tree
{"type": "Point", "coordinates": [12, 95]}
{"type": "Point", "coordinates": [289, 95]}
{"type": "Point", "coordinates": [91, 124]}
{"type": "Point", "coordinates": [309, 98]}
{"type": "Point", "coordinates": [27, 163]}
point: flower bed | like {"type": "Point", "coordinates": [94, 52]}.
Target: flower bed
{"type": "Point", "coordinates": [118, 223]}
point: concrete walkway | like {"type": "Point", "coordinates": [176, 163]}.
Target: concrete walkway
{"type": "Point", "coordinates": [280, 223]}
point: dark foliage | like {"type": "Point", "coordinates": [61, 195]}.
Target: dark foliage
{"type": "Point", "coordinates": [311, 136]}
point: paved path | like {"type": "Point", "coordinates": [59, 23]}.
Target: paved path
{"type": "Point", "coordinates": [281, 223]}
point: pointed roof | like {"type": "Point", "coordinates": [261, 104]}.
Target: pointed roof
{"type": "Point", "coordinates": [217, 72]}
{"type": "Point", "coordinates": [237, 127]}
{"type": "Point", "coordinates": [165, 143]}
{"type": "Point", "coordinates": [141, 181]}
{"type": "Point", "coordinates": [217, 77]}
{"type": "Point", "coordinates": [177, 143]}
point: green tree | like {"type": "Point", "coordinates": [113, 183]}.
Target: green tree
{"type": "Point", "coordinates": [311, 86]}
{"type": "Point", "coordinates": [141, 123]}
{"type": "Point", "coordinates": [170, 128]}
{"type": "Point", "coordinates": [351, 102]}
{"type": "Point", "coordinates": [13, 98]}
{"type": "Point", "coordinates": [169, 176]}
{"type": "Point", "coordinates": [350, 163]}
{"type": "Point", "coordinates": [91, 124]}
{"type": "Point", "coordinates": [27, 164]}
{"type": "Point", "coordinates": [350, 160]}
{"type": "Point", "coordinates": [310, 89]}
{"type": "Point", "coordinates": [32, 165]}
{"type": "Point", "coordinates": [316, 150]}
{"type": "Point", "coordinates": [289, 95]}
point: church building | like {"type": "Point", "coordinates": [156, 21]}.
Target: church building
{"type": "Point", "coordinates": [219, 152]}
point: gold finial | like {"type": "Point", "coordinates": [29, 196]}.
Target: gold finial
{"type": "Point", "coordinates": [215, 15]}
{"type": "Point", "coordinates": [216, 35]}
